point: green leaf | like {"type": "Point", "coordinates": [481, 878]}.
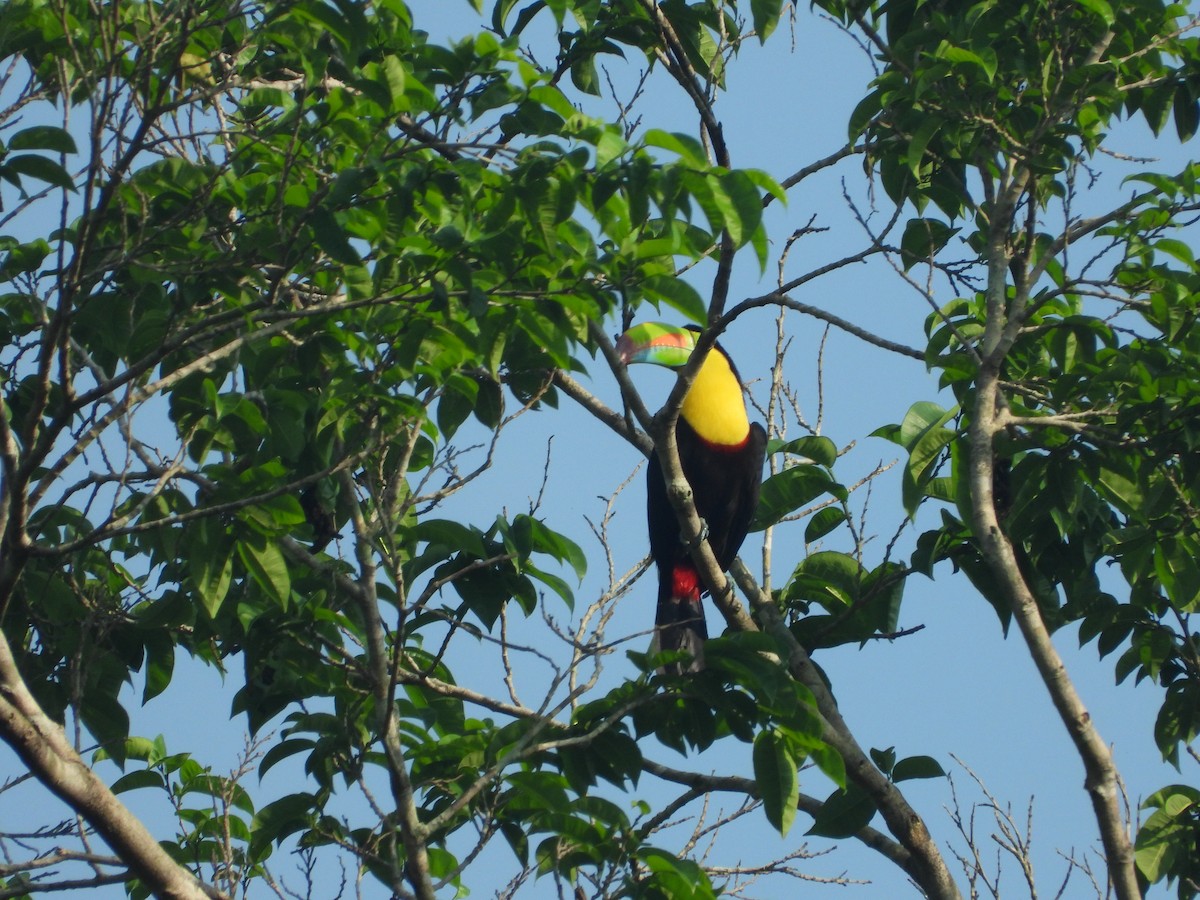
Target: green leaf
{"type": "Point", "coordinates": [921, 418]}
{"type": "Point", "coordinates": [785, 492]}
{"type": "Point", "coordinates": [690, 150]}
{"type": "Point", "coordinates": [766, 183]}
{"type": "Point", "coordinates": [1178, 249]}
{"type": "Point", "coordinates": [679, 879]}
{"type": "Point", "coordinates": [141, 778]}
{"type": "Point", "coordinates": [827, 577]}
{"type": "Point", "coordinates": [844, 813]}
{"type": "Point", "coordinates": [924, 438]}
{"type": "Point", "coordinates": [331, 237]}
{"type": "Point", "coordinates": [1167, 841]}
{"type": "Point", "coordinates": [545, 789]}
{"type": "Point", "coordinates": [914, 155]}
{"type": "Point", "coordinates": [585, 76]}
{"type": "Point", "coordinates": [275, 821]}
{"type": "Point", "coordinates": [212, 566]}
{"type": "Point", "coordinates": [868, 108]}
{"type": "Point", "coordinates": [43, 137]}
{"type": "Point", "coordinates": [556, 584]}
{"type": "Point", "coordinates": [823, 521]}
{"type": "Point", "coordinates": [144, 749]}
{"type": "Point", "coordinates": [22, 258]}
{"type": "Point", "coordinates": [828, 760]}
{"type": "Point", "coordinates": [160, 664]}
{"type": "Point", "coordinates": [489, 405]}
{"type": "Point", "coordinates": [282, 751]}
{"type": "Point", "coordinates": [543, 539]}
{"type": "Point", "coordinates": [885, 760]}
{"type": "Point", "coordinates": [1175, 799]}
{"type": "Point", "coordinates": [817, 448]}
{"type": "Point", "coordinates": [395, 78]}
{"type": "Point", "coordinates": [677, 294]}
{"type": "Point", "coordinates": [105, 717]}
{"type": "Point", "coordinates": [917, 767]}
{"type": "Point", "coordinates": [923, 238]}
{"type": "Point", "coordinates": [39, 167]}
{"type": "Point", "coordinates": [764, 14]}
{"type": "Point", "coordinates": [1176, 566]}
{"type": "Point", "coordinates": [1186, 112]}
{"type": "Point", "coordinates": [454, 407]}
{"type": "Point", "coordinates": [775, 774]}
{"type": "Point", "coordinates": [265, 562]}
{"type": "Point", "coordinates": [963, 56]}
{"type": "Point", "coordinates": [739, 203]}
{"type": "Point", "coordinates": [1100, 8]}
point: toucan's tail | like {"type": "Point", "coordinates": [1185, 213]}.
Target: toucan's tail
{"type": "Point", "coordinates": [679, 623]}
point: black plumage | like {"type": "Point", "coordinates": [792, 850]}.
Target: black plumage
{"type": "Point", "coordinates": [725, 482]}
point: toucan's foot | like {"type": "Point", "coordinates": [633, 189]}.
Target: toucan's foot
{"type": "Point", "coordinates": [703, 536]}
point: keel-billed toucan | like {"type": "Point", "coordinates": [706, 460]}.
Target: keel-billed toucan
{"type": "Point", "coordinates": [722, 454]}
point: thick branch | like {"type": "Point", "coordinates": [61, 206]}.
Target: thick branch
{"type": "Point", "coordinates": [1101, 782]}
{"type": "Point", "coordinates": [988, 418]}
{"type": "Point", "coordinates": [43, 747]}
{"type": "Point", "coordinates": [925, 863]}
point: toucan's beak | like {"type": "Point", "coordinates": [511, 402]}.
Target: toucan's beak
{"type": "Point", "coordinates": [658, 343]}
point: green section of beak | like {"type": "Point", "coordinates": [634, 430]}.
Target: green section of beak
{"type": "Point", "coordinates": [658, 343]}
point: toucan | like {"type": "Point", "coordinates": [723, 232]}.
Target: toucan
{"type": "Point", "coordinates": [722, 455]}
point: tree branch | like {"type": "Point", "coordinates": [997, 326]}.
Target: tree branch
{"type": "Point", "coordinates": [876, 840]}
{"type": "Point", "coordinates": [989, 418]}
{"type": "Point", "coordinates": [44, 747]}
{"type": "Point", "coordinates": [925, 863]}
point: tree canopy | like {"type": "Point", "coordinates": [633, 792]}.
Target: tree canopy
{"type": "Point", "coordinates": [281, 281]}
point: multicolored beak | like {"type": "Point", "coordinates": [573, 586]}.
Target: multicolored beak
{"type": "Point", "coordinates": [658, 343]}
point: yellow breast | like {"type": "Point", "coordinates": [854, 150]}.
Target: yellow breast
{"type": "Point", "coordinates": [714, 405]}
